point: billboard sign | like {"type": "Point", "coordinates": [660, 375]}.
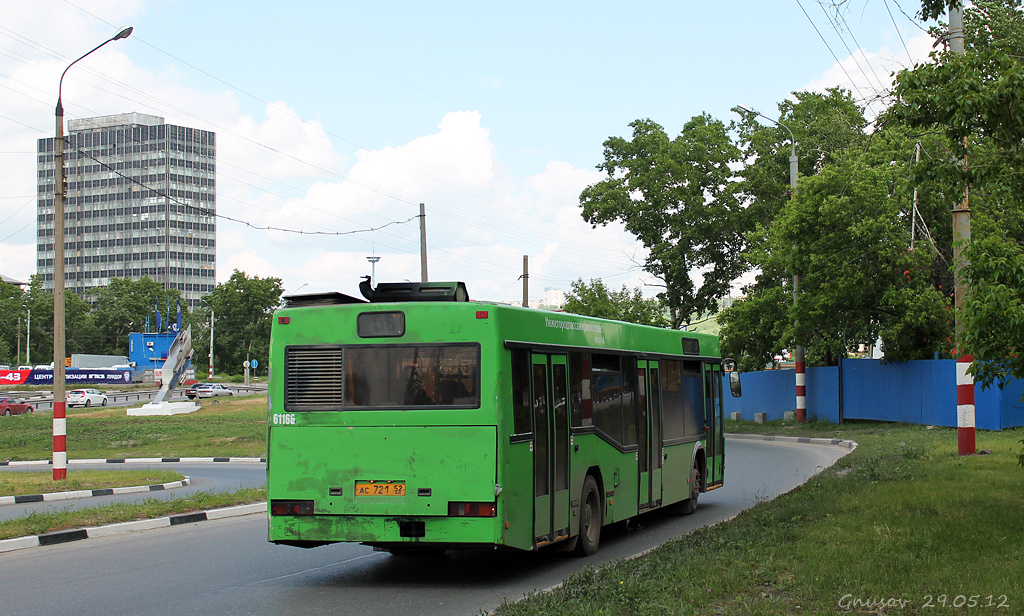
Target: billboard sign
{"type": "Point", "coordinates": [72, 376]}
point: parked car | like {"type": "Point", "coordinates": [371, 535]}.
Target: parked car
{"type": "Point", "coordinates": [212, 390]}
{"type": "Point", "coordinates": [14, 406]}
{"type": "Point", "coordinates": [190, 393]}
{"type": "Point", "coordinates": [86, 397]}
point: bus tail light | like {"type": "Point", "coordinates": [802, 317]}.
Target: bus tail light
{"type": "Point", "coordinates": [472, 510]}
{"type": "Point", "coordinates": [291, 507]}
{"type": "Point", "coordinates": [284, 320]}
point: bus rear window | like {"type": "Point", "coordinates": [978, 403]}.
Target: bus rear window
{"type": "Point", "coordinates": [327, 378]}
{"type": "Point", "coordinates": [380, 325]}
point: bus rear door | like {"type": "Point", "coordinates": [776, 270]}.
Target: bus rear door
{"type": "Point", "coordinates": [551, 447]}
{"type": "Point", "coordinates": [649, 449]}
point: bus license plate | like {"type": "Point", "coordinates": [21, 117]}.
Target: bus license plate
{"type": "Point", "coordinates": [380, 488]}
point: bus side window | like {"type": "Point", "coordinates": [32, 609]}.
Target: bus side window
{"type": "Point", "coordinates": [672, 400]}
{"type": "Point", "coordinates": [576, 389]}
{"type": "Point", "coordinates": [521, 405]}
{"type": "Point", "coordinates": [693, 399]}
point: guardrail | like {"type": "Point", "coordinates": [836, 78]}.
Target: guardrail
{"type": "Point", "coordinates": [44, 402]}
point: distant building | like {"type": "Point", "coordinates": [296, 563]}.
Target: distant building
{"type": "Point", "coordinates": [554, 299]}
{"type": "Point", "coordinates": [10, 280]}
{"type": "Point", "coordinates": [140, 201]}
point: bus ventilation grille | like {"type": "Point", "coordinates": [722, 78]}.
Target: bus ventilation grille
{"type": "Point", "coordinates": [314, 378]}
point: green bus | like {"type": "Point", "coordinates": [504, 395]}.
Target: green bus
{"type": "Point", "coordinates": [419, 420]}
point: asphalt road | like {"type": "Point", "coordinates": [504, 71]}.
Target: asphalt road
{"type": "Point", "coordinates": [205, 477]}
{"type": "Point", "coordinates": [227, 567]}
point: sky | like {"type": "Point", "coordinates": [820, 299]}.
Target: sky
{"type": "Point", "coordinates": [336, 119]}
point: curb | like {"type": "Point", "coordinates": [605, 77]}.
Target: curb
{"type": "Point", "coordinates": [56, 496]}
{"type": "Point", "coordinates": [128, 461]}
{"type": "Point", "coordinates": [851, 445]}
{"type": "Point", "coordinates": [66, 536]}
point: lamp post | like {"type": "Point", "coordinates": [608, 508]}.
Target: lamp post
{"type": "Point", "coordinates": [60, 455]}
{"type": "Point", "coordinates": [798, 356]}
{"type": "Point", "coordinates": [373, 269]}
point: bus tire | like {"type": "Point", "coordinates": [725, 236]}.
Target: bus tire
{"type": "Point", "coordinates": [591, 518]}
{"type": "Point", "coordinates": [689, 505]}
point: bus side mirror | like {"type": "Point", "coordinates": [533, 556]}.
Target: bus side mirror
{"type": "Point", "coordinates": [734, 377]}
{"type": "Point", "coordinates": [734, 384]}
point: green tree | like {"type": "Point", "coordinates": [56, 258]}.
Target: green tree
{"type": "Point", "coordinates": [122, 307]}
{"type": "Point", "coordinates": [824, 125]}
{"type": "Point", "coordinates": [846, 232]}
{"type": "Point", "coordinates": [13, 316]}
{"type": "Point", "coordinates": [79, 326]}
{"type": "Point", "coordinates": [596, 300]}
{"type": "Point", "coordinates": [243, 307]}
{"type": "Point", "coordinates": [677, 198]}
{"type": "Point", "coordinates": [975, 100]}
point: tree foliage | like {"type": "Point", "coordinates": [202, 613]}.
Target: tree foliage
{"type": "Point", "coordinates": [975, 100]}
{"type": "Point", "coordinates": [123, 306]}
{"type": "Point", "coordinates": [243, 307]}
{"type": "Point", "coordinates": [676, 197]}
{"type": "Point", "coordinates": [596, 300]}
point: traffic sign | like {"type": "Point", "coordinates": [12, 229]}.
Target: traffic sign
{"type": "Point", "coordinates": [255, 364]}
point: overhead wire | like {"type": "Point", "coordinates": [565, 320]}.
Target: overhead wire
{"type": "Point", "coordinates": [586, 250]}
{"type": "Point", "coordinates": [853, 54]}
{"type": "Point", "coordinates": [297, 117]}
{"type": "Point", "coordinates": [834, 56]}
{"type": "Point", "coordinates": [898, 33]}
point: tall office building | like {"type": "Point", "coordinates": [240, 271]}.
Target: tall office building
{"type": "Point", "coordinates": [140, 201]}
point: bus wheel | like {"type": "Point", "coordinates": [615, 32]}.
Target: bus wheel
{"type": "Point", "coordinates": [591, 518]}
{"type": "Point", "coordinates": [689, 505]}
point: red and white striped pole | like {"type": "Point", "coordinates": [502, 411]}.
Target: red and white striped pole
{"type": "Point", "coordinates": [961, 239]}
{"type": "Point", "coordinates": [964, 406]}
{"type": "Point", "coordinates": [60, 439]}
{"type": "Point", "coordinates": [801, 386]}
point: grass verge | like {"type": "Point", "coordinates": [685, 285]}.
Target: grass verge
{"type": "Point", "coordinates": [231, 428]}
{"type": "Point", "coordinates": [41, 482]}
{"type": "Point", "coordinates": [227, 428]}
{"type": "Point", "coordinates": [41, 523]}
{"type": "Point", "coordinates": [900, 526]}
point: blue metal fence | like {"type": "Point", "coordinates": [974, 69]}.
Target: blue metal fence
{"type": "Point", "coordinates": [922, 392]}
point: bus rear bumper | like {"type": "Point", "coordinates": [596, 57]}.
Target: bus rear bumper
{"type": "Point", "coordinates": [383, 531]}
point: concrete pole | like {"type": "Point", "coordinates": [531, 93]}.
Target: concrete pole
{"type": "Point", "coordinates": [211, 345]}
{"type": "Point", "coordinates": [60, 430]}
{"type": "Point", "coordinates": [526, 281]}
{"type": "Point", "coordinates": [60, 452]}
{"type": "Point", "coordinates": [798, 355]}
{"type": "Point", "coordinates": [423, 244]}
{"type": "Point", "coordinates": [965, 416]}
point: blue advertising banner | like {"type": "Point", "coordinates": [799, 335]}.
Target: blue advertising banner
{"type": "Point", "coordinates": [72, 376]}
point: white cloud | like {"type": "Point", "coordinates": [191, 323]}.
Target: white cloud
{"type": "Point", "coordinates": [869, 74]}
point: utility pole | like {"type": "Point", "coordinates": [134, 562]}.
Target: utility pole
{"type": "Point", "coordinates": [965, 421]}
{"type": "Point", "coordinates": [423, 244]}
{"type": "Point", "coordinates": [211, 345]}
{"type": "Point", "coordinates": [526, 281]}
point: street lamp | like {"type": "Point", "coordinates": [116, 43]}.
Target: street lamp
{"type": "Point", "coordinates": [60, 455]}
{"type": "Point", "coordinates": [801, 382]}
{"type": "Point", "coordinates": [373, 269]}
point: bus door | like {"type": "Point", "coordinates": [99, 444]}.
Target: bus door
{"type": "Point", "coordinates": [715, 444]}
{"type": "Point", "coordinates": [649, 449]}
{"type": "Point", "coordinates": [551, 447]}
